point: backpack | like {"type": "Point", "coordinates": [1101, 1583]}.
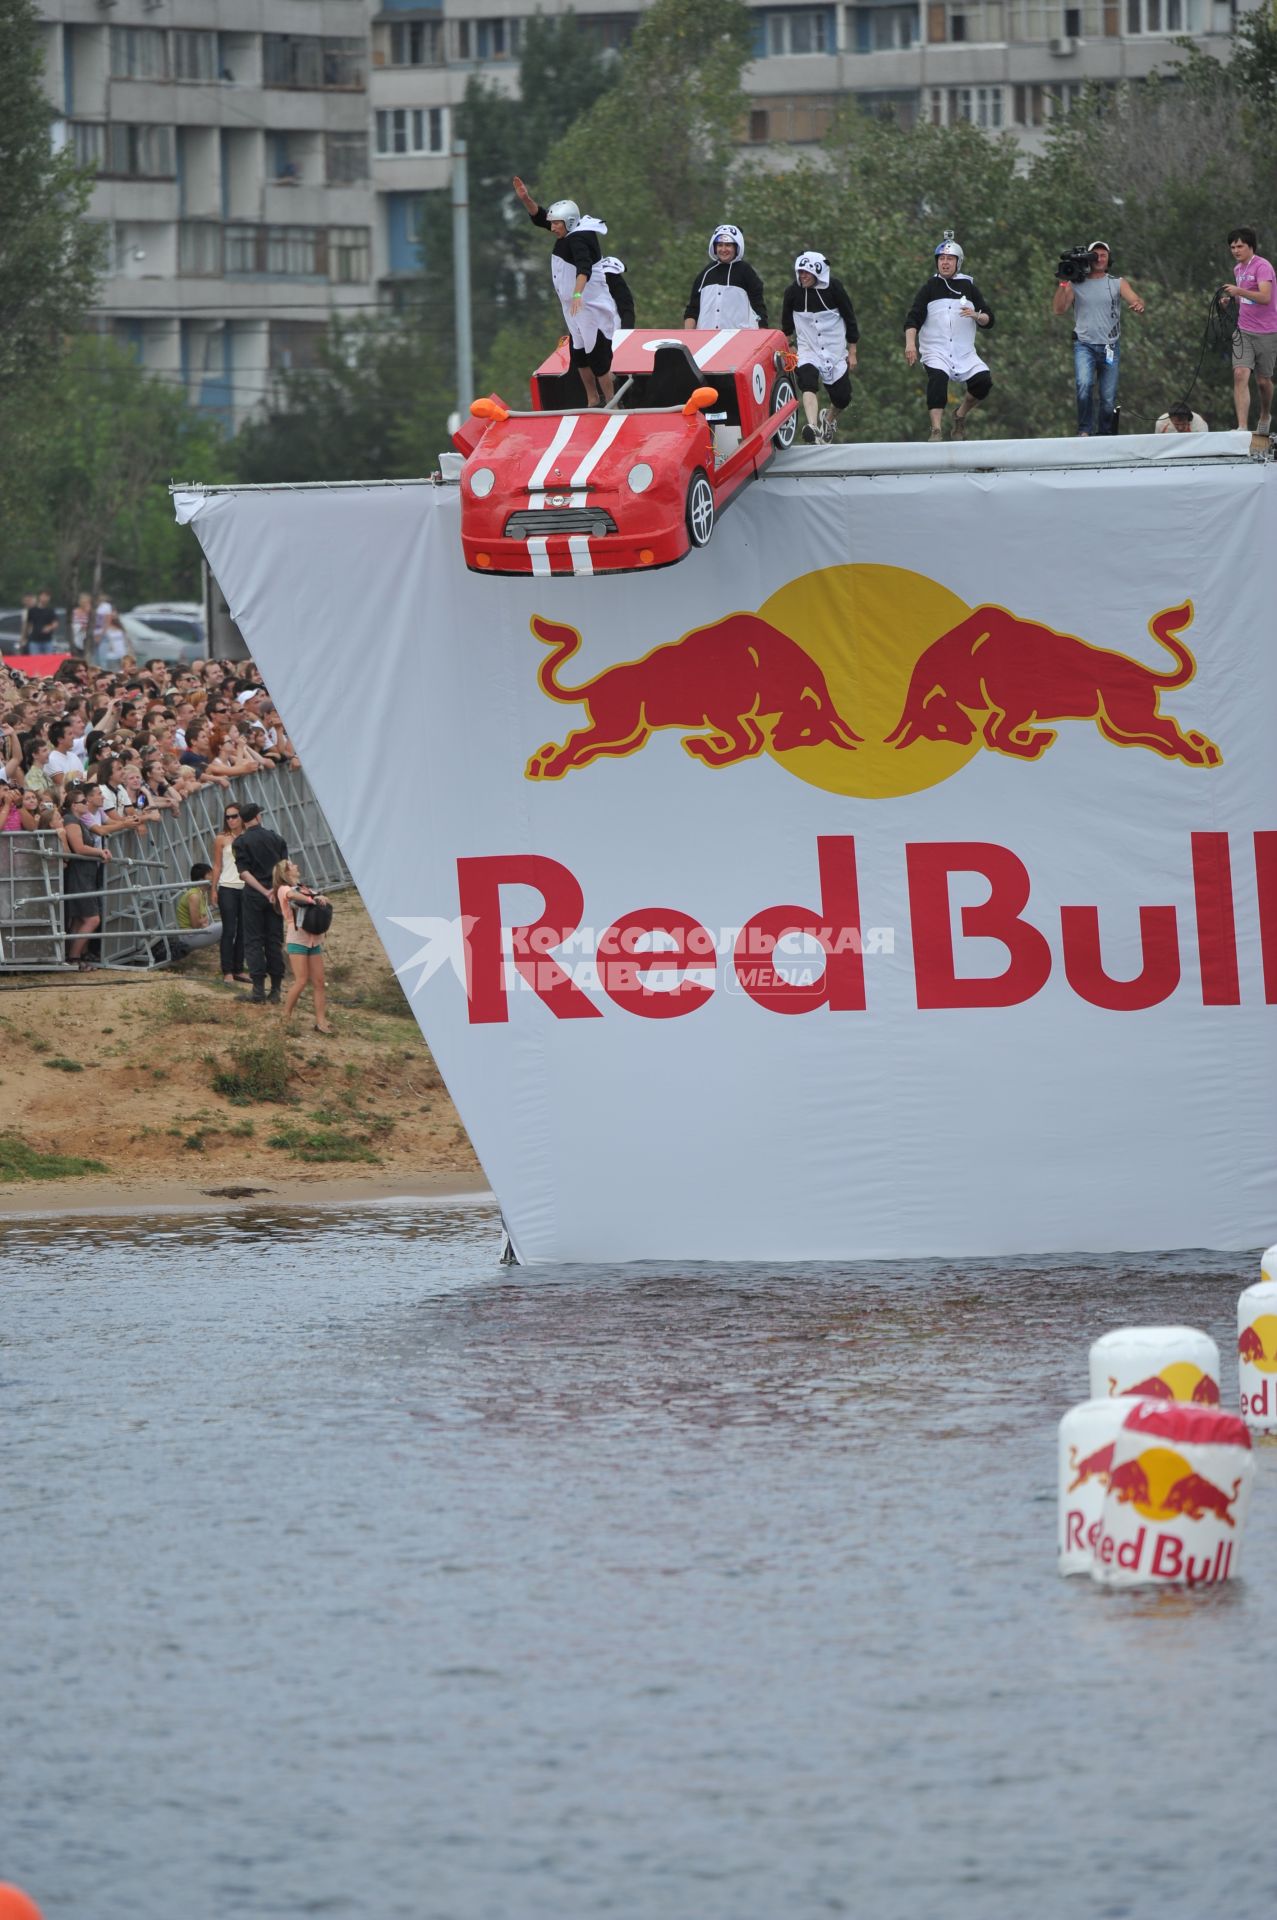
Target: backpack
{"type": "Point", "coordinates": [315, 917]}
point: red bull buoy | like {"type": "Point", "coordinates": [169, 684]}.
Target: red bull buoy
{"type": "Point", "coordinates": [17, 1905]}
{"type": "Point", "coordinates": [1176, 1499]}
{"type": "Point", "coordinates": [1156, 1363]}
{"type": "Point", "coordinates": [1257, 1348]}
{"type": "Point", "coordinates": [1087, 1436]}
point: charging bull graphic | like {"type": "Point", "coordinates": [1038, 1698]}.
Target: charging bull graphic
{"type": "Point", "coordinates": [742, 679]}
{"type": "Point", "coordinates": [1014, 678]}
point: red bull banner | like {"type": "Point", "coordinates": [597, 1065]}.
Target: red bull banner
{"type": "Point", "coordinates": [895, 877]}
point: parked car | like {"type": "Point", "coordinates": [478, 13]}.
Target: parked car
{"type": "Point", "coordinates": [153, 643]}
{"type": "Point", "coordinates": [637, 484]}
{"type": "Point", "coordinates": [180, 619]}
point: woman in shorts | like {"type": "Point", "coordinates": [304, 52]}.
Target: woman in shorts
{"type": "Point", "coordinates": [305, 950]}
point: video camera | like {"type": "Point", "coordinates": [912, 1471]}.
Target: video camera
{"type": "Point", "coordinates": [1075, 265]}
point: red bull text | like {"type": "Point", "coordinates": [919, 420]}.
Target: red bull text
{"type": "Point", "coordinates": [832, 921]}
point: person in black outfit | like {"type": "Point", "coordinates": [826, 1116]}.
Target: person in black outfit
{"type": "Point", "coordinates": [576, 269]}
{"type": "Point", "coordinates": [727, 293]}
{"type": "Point", "coordinates": [619, 288]}
{"type": "Point", "coordinates": [257, 851]}
{"type": "Point", "coordinates": [818, 313]}
{"type": "Point", "coordinates": [42, 622]}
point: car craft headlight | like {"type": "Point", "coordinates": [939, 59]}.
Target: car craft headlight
{"type": "Point", "coordinates": [639, 478]}
{"type": "Point", "coordinates": [482, 481]}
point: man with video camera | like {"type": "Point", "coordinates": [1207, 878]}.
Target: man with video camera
{"type": "Point", "coordinates": [1096, 298]}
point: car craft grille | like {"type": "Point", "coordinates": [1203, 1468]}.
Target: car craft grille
{"type": "Point", "coordinates": [535, 523]}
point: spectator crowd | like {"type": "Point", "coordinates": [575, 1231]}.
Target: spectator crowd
{"type": "Point", "coordinates": [94, 751]}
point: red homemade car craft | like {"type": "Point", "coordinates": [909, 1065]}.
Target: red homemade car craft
{"type": "Point", "coordinates": [568, 489]}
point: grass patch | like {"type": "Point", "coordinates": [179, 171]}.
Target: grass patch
{"type": "Point", "coordinates": [178, 1009]}
{"type": "Point", "coordinates": [258, 1072]}
{"type": "Point", "coordinates": [64, 1065]}
{"type": "Point", "coordinates": [320, 1143]}
{"type": "Point", "coordinates": [21, 1161]}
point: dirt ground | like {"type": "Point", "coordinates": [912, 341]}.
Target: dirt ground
{"type": "Point", "coordinates": [123, 1069]}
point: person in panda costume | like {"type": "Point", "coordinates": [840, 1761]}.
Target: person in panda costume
{"type": "Point", "coordinates": [619, 288]}
{"type": "Point", "coordinates": [728, 292]}
{"type": "Point", "coordinates": [576, 268]}
{"type": "Point", "coordinates": [819, 315]}
{"type": "Point", "coordinates": [940, 330]}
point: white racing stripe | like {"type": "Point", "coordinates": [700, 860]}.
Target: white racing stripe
{"type": "Point", "coordinates": [613, 425]}
{"type": "Point", "coordinates": [579, 548]}
{"type": "Point", "coordinates": [562, 434]}
{"type": "Point", "coordinates": [714, 347]}
{"type": "Point", "coordinates": [538, 553]}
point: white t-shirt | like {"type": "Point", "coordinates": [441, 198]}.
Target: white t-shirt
{"type": "Point", "coordinates": [68, 763]}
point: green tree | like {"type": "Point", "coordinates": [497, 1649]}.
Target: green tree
{"type": "Point", "coordinates": [375, 408]}
{"type": "Point", "coordinates": [102, 442]}
{"type": "Point", "coordinates": [50, 254]}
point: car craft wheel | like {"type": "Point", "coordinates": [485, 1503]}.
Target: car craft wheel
{"type": "Point", "coordinates": [782, 393]}
{"type": "Point", "coordinates": [700, 509]}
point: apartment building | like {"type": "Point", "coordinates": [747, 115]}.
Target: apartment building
{"type": "Point", "coordinates": [230, 139]}
{"type": "Point", "coordinates": [262, 164]}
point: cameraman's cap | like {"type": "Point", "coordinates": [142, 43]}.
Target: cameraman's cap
{"type": "Point", "coordinates": [1099, 243]}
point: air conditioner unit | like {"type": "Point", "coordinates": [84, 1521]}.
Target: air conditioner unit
{"type": "Point", "coordinates": [1064, 43]}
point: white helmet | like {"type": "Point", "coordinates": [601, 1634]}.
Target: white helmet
{"type": "Point", "coordinates": [565, 210]}
{"type": "Point", "coordinates": [733, 234]}
{"type": "Point", "coordinates": [815, 264]}
{"type": "Point", "coordinates": [950, 245]}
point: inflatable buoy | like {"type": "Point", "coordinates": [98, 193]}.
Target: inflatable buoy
{"type": "Point", "coordinates": [1257, 1348]}
{"type": "Point", "coordinates": [17, 1905]}
{"type": "Point", "coordinates": [1087, 1436]}
{"type": "Point", "coordinates": [1175, 1504]}
{"type": "Point", "coordinates": [1156, 1363]}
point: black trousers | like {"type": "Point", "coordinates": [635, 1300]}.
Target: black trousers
{"type": "Point", "coordinates": [230, 903]}
{"type": "Point", "coordinates": [263, 939]}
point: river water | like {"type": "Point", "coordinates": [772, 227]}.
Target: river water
{"type": "Point", "coordinates": [345, 1572]}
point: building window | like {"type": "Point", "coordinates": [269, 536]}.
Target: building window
{"type": "Point", "coordinates": [1163, 16]}
{"type": "Point", "coordinates": [407, 130]}
{"type": "Point", "coordinates": [349, 256]}
{"type": "Point", "coordinates": [416, 43]}
{"type": "Point", "coordinates": [1034, 106]}
{"type": "Point", "coordinates": [139, 53]}
{"type": "Point", "coordinates": [486, 39]}
{"type": "Point", "coordinates": [978, 21]}
{"type": "Point", "coordinates": [195, 55]}
{"type": "Point", "coordinates": [607, 32]}
{"type": "Point", "coordinates": [199, 249]}
{"type": "Point", "coordinates": [144, 153]}
{"type": "Point", "coordinates": [798, 121]}
{"type": "Point", "coordinates": [306, 60]}
{"type": "Point", "coordinates": [983, 106]}
{"type": "Point", "coordinates": [759, 123]}
{"type": "Point", "coordinates": [794, 30]}
{"type": "Point", "coordinates": [881, 29]}
{"type": "Point", "coordinates": [295, 345]}
{"type": "Point", "coordinates": [345, 158]}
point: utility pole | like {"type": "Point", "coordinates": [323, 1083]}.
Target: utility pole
{"type": "Point", "coordinates": [461, 276]}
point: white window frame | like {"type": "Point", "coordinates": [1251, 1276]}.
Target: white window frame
{"type": "Point", "coordinates": [407, 133]}
{"type": "Point", "coordinates": [139, 53]}
{"type": "Point", "coordinates": [196, 59]}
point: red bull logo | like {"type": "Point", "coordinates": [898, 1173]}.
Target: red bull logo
{"type": "Point", "coordinates": [870, 681]}
{"type": "Point", "coordinates": [1160, 1484]}
{"type": "Point", "coordinates": [1179, 1380]}
{"type": "Point", "coordinates": [1257, 1343]}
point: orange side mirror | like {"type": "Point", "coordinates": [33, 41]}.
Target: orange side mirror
{"type": "Point", "coordinates": [702, 398]}
{"type": "Point", "coordinates": [486, 409]}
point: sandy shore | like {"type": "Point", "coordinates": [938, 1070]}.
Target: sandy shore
{"type": "Point", "coordinates": [127, 1093]}
{"type": "Point", "coordinates": [178, 1196]}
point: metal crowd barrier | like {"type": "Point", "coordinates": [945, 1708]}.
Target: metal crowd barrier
{"type": "Point", "coordinates": [146, 874]}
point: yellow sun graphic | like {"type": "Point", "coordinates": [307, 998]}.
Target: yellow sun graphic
{"type": "Point", "coordinates": [866, 626]}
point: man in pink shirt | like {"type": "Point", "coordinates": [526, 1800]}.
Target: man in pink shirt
{"type": "Point", "coordinates": [1255, 342]}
